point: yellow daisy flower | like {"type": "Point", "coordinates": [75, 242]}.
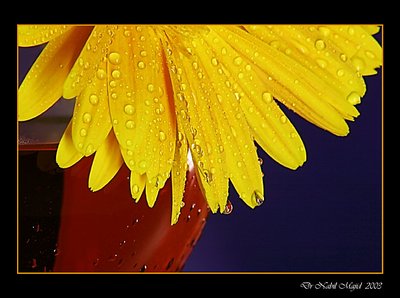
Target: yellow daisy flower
{"type": "Point", "coordinates": [149, 95]}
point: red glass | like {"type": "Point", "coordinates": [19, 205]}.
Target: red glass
{"type": "Point", "coordinates": [65, 227]}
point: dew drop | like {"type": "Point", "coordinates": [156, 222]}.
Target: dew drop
{"type": "Point", "coordinates": [358, 63]}
{"type": "Point", "coordinates": [129, 124]}
{"type": "Point", "coordinates": [354, 98]}
{"type": "Point", "coordinates": [260, 161]}
{"type": "Point", "coordinates": [143, 269]}
{"type": "Point", "coordinates": [141, 65]}
{"type": "Point", "coordinates": [369, 54]}
{"type": "Point", "coordinates": [283, 119]}
{"type": "Point", "coordinates": [143, 53]}
{"type": "Point", "coordinates": [129, 109]}
{"type": "Point", "coordinates": [351, 30]}
{"type": "Point", "coordinates": [320, 44]}
{"type": "Point", "coordinates": [238, 60]}
{"type": "Point", "coordinates": [322, 63]}
{"type": "Point", "coordinates": [223, 51]}
{"type": "Point", "coordinates": [114, 58]}
{"type": "Point", "coordinates": [228, 208]}
{"type": "Point", "coordinates": [340, 72]}
{"type": "Point", "coordinates": [162, 137]}
{"type": "Point", "coordinates": [135, 188]}
{"type": "Point", "coordinates": [83, 132]}
{"type": "Point", "coordinates": [114, 95]}
{"type": "Point", "coordinates": [258, 198]}
{"type": "Point", "coordinates": [267, 97]}
{"type": "Point", "coordinates": [89, 149]}
{"type": "Point", "coordinates": [113, 84]}
{"type": "Point", "coordinates": [150, 87]}
{"type": "Point", "coordinates": [87, 118]}
{"type": "Point", "coordinates": [116, 74]}
{"type": "Point", "coordinates": [101, 74]}
{"type": "Point", "coordinates": [343, 57]}
{"type": "Point", "coordinates": [143, 164]}
{"type": "Point", "coordinates": [240, 75]}
{"type": "Point", "coordinates": [93, 99]}
{"type": "Point", "coordinates": [214, 61]}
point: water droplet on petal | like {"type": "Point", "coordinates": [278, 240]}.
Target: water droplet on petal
{"type": "Point", "coordinates": [83, 132]}
{"type": "Point", "coordinates": [93, 99]}
{"type": "Point", "coordinates": [143, 53]}
{"type": "Point", "coordinates": [228, 208]}
{"type": "Point", "coordinates": [322, 63]}
{"type": "Point", "coordinates": [135, 189]}
{"type": "Point", "coordinates": [258, 198]}
{"type": "Point", "coordinates": [358, 63]}
{"type": "Point", "coordinates": [162, 137]}
{"type": "Point", "coordinates": [343, 57]}
{"type": "Point", "coordinates": [340, 73]}
{"type": "Point", "coordinates": [354, 98]}
{"type": "Point", "coordinates": [320, 44]}
{"type": "Point", "coordinates": [369, 54]}
{"type": "Point", "coordinates": [114, 58]}
{"type": "Point", "coordinates": [238, 60]}
{"type": "Point", "coordinates": [129, 109]}
{"type": "Point", "coordinates": [116, 74]}
{"type": "Point", "coordinates": [100, 74]}
{"type": "Point", "coordinates": [129, 124]}
{"type": "Point", "coordinates": [143, 269]}
{"type": "Point", "coordinates": [214, 61]}
{"type": "Point", "coordinates": [141, 65]}
{"type": "Point", "coordinates": [267, 97]}
{"type": "Point", "coordinates": [283, 119]}
{"type": "Point", "coordinates": [150, 87]}
{"type": "Point", "coordinates": [87, 118]}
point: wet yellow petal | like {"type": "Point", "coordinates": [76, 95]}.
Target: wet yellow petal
{"type": "Point", "coordinates": [106, 163]}
{"type": "Point", "coordinates": [178, 174]}
{"type": "Point", "coordinates": [89, 63]}
{"type": "Point", "coordinates": [32, 35]}
{"type": "Point", "coordinates": [43, 84]}
{"type": "Point", "coordinates": [194, 113]}
{"type": "Point", "coordinates": [91, 121]}
{"type": "Point", "coordinates": [67, 155]}
{"type": "Point", "coordinates": [270, 127]}
{"type": "Point", "coordinates": [240, 152]}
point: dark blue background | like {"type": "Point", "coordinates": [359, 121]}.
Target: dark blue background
{"type": "Point", "coordinates": [325, 216]}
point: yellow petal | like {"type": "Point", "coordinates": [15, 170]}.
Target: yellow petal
{"type": "Point", "coordinates": [67, 155]}
{"type": "Point", "coordinates": [290, 82]}
{"type": "Point", "coordinates": [88, 64]}
{"type": "Point", "coordinates": [240, 152]}
{"type": "Point", "coordinates": [178, 176]}
{"type": "Point", "coordinates": [193, 106]}
{"type": "Point", "coordinates": [91, 121]}
{"type": "Point", "coordinates": [32, 35]}
{"type": "Point", "coordinates": [152, 190]}
{"type": "Point", "coordinates": [270, 127]}
{"type": "Point", "coordinates": [42, 86]}
{"type": "Point", "coordinates": [106, 163]}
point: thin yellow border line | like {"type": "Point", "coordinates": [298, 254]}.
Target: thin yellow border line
{"type": "Point", "coordinates": [219, 272]}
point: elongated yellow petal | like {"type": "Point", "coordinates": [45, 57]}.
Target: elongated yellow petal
{"type": "Point", "coordinates": [67, 155]}
{"type": "Point", "coordinates": [152, 190]}
{"type": "Point", "coordinates": [178, 174]}
{"type": "Point", "coordinates": [91, 121]}
{"type": "Point", "coordinates": [32, 35]}
{"type": "Point", "coordinates": [89, 63]}
{"type": "Point", "coordinates": [270, 127]}
{"type": "Point", "coordinates": [193, 107]}
{"type": "Point", "coordinates": [240, 151]}
{"type": "Point", "coordinates": [42, 86]}
{"type": "Point", "coordinates": [106, 163]}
